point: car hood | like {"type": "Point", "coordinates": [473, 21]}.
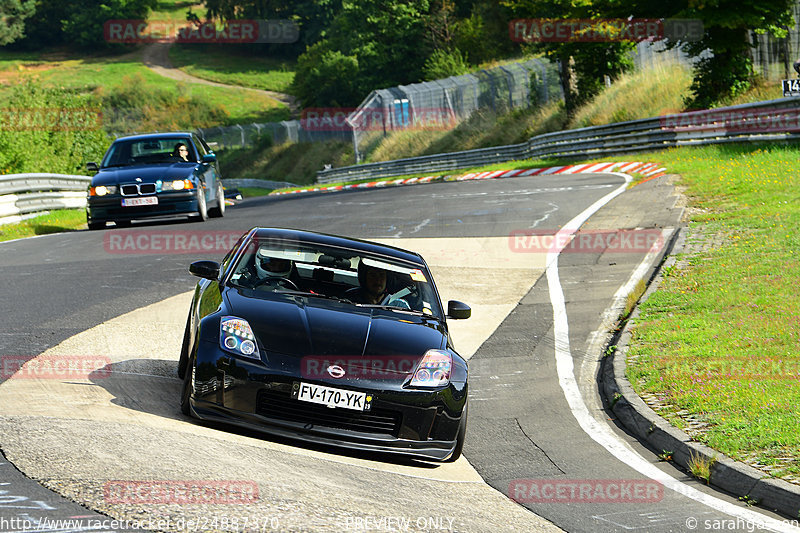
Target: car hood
{"type": "Point", "coordinates": [147, 173]}
{"type": "Point", "coordinates": [301, 326]}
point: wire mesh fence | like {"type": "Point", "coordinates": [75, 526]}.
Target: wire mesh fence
{"type": "Point", "coordinates": [441, 104]}
{"type": "Point", "coordinates": [438, 104]}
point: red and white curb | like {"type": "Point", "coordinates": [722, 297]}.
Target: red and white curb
{"type": "Point", "coordinates": [649, 170]}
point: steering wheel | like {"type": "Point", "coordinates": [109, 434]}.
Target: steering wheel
{"type": "Point", "coordinates": [277, 281]}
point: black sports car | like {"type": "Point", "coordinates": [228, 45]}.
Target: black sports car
{"type": "Point", "coordinates": [155, 175]}
{"type": "Point", "coordinates": [326, 339]}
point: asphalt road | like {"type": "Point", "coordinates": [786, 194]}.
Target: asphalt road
{"type": "Point", "coordinates": [521, 425]}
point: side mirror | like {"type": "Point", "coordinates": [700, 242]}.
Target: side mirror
{"type": "Point", "coordinates": [458, 310]}
{"type": "Point", "coordinates": [209, 158]}
{"type": "Point", "coordinates": [205, 269]}
{"type": "Point", "coordinates": [91, 165]}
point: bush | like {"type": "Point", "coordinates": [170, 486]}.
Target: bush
{"type": "Point", "coordinates": [445, 63]}
{"type": "Point", "coordinates": [49, 130]}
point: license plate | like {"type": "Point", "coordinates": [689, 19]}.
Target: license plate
{"type": "Point", "coordinates": [132, 202]}
{"type": "Point", "coordinates": [319, 394]}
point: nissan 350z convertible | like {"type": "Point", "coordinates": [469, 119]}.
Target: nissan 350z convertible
{"type": "Point", "coordinates": [326, 339]}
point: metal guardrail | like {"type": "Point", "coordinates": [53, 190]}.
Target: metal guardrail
{"type": "Point", "coordinates": [767, 121]}
{"type": "Point", "coordinates": [25, 194]}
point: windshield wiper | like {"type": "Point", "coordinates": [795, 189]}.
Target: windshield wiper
{"type": "Point", "coordinates": [314, 294]}
{"type": "Point", "coordinates": [395, 308]}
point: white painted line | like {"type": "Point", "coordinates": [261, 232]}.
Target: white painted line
{"type": "Point", "coordinates": [600, 432]}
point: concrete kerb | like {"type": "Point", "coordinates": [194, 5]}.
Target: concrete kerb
{"type": "Point", "coordinates": [648, 170]}
{"type": "Point", "coordinates": [636, 416]}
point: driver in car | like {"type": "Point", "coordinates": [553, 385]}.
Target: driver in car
{"type": "Point", "coordinates": [273, 272]}
{"type": "Point", "coordinates": [373, 285]}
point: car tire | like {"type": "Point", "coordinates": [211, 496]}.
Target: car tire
{"type": "Point", "coordinates": [186, 388]}
{"type": "Point", "coordinates": [96, 225]}
{"type": "Point", "coordinates": [202, 208]}
{"type": "Point", "coordinates": [219, 211]}
{"type": "Point", "coordinates": [183, 359]}
{"type": "Point", "coordinates": [462, 434]}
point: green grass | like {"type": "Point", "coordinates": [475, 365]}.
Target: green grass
{"type": "Point", "coordinates": [295, 163]}
{"type": "Point", "coordinates": [175, 10]}
{"type": "Point", "coordinates": [252, 192]}
{"type": "Point", "coordinates": [233, 65]}
{"type": "Point", "coordinates": [106, 74]}
{"type": "Point", "coordinates": [717, 343]}
{"type": "Point", "coordinates": [54, 222]}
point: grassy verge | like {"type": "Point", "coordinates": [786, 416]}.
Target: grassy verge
{"type": "Point", "coordinates": [252, 192]}
{"type": "Point", "coordinates": [114, 78]}
{"type": "Point", "coordinates": [716, 345]}
{"type": "Point", "coordinates": [233, 65]}
{"type": "Point", "coordinates": [295, 163]}
{"type": "Point", "coordinates": [55, 222]}
{"type": "Point", "coordinates": [175, 10]}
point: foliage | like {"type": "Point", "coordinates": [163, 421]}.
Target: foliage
{"type": "Point", "coordinates": [12, 19]}
{"type": "Point", "coordinates": [136, 105]}
{"type": "Point", "coordinates": [77, 22]}
{"type": "Point", "coordinates": [326, 77]}
{"type": "Point", "coordinates": [728, 33]}
{"type": "Point", "coordinates": [49, 130]}
{"type": "Point", "coordinates": [584, 65]}
{"type": "Point", "coordinates": [443, 63]}
{"type": "Point", "coordinates": [370, 45]}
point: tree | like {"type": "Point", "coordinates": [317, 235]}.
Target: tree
{"type": "Point", "coordinates": [374, 44]}
{"type": "Point", "coordinates": [12, 19]}
{"type": "Point", "coordinates": [583, 65]}
{"type": "Point", "coordinates": [78, 22]}
{"type": "Point", "coordinates": [727, 27]}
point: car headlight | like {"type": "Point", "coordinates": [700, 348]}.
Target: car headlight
{"type": "Point", "coordinates": [102, 190]}
{"type": "Point", "coordinates": [177, 185]}
{"type": "Point", "coordinates": [236, 335]}
{"type": "Point", "coordinates": [433, 370]}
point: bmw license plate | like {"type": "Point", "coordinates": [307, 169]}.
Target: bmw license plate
{"type": "Point", "coordinates": [132, 202]}
{"type": "Point", "coordinates": [319, 394]}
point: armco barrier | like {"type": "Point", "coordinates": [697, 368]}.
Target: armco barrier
{"type": "Point", "coordinates": [767, 121]}
{"type": "Point", "coordinates": [23, 194]}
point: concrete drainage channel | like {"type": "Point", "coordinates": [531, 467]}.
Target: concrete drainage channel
{"type": "Point", "coordinates": [645, 424]}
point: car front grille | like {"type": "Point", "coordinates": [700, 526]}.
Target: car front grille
{"type": "Point", "coordinates": [279, 405]}
{"type": "Point", "coordinates": [135, 189]}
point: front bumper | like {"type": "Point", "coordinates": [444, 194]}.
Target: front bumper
{"type": "Point", "coordinates": [416, 423]}
{"type": "Point", "coordinates": [110, 208]}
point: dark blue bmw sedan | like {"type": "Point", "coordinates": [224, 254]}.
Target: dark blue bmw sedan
{"type": "Point", "coordinates": [155, 175]}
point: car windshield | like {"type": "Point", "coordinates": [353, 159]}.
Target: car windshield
{"type": "Point", "coordinates": [318, 271]}
{"type": "Point", "coordinates": [147, 151]}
